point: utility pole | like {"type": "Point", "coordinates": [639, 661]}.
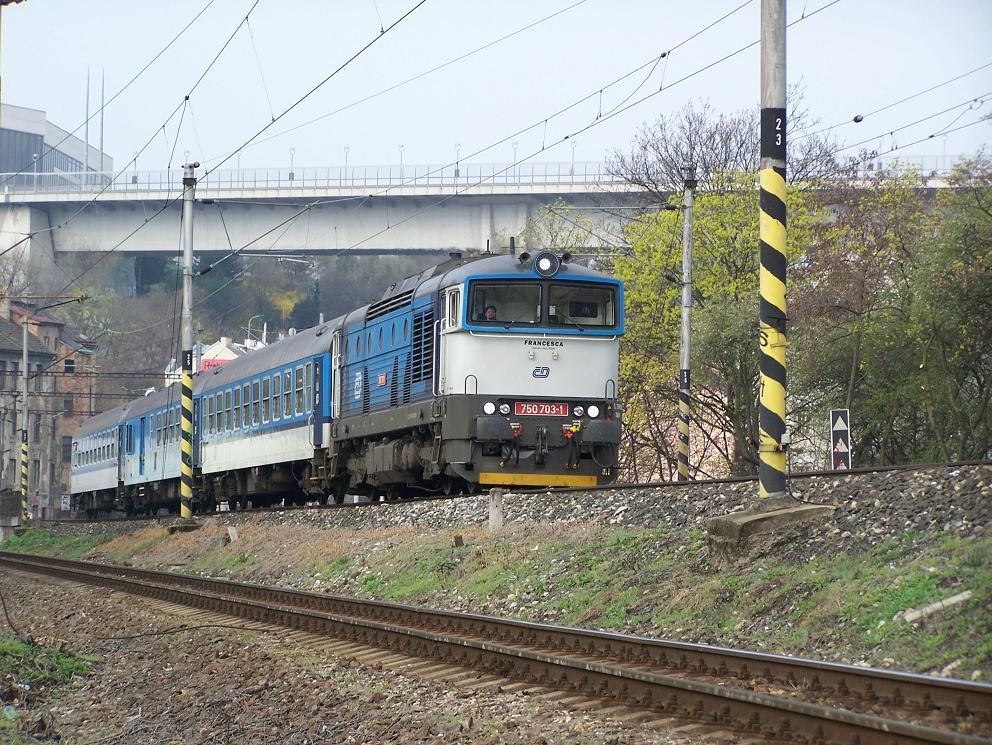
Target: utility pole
{"type": "Point", "coordinates": [25, 514]}
{"type": "Point", "coordinates": [683, 455]}
{"type": "Point", "coordinates": [186, 467]}
{"type": "Point", "coordinates": [773, 439]}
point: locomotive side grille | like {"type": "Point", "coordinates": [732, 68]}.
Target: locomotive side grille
{"type": "Point", "coordinates": [394, 383]}
{"type": "Point", "coordinates": [423, 346]}
{"type": "Point", "coordinates": [388, 305]}
{"type": "Point", "coordinates": [366, 392]}
{"type": "Point", "coordinates": [407, 371]}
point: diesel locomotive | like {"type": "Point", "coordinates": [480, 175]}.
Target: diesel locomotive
{"type": "Point", "coordinates": [491, 370]}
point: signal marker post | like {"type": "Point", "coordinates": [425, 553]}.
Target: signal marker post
{"type": "Point", "coordinates": [728, 536]}
{"type": "Point", "coordinates": [186, 465]}
{"type": "Point", "coordinates": [772, 437]}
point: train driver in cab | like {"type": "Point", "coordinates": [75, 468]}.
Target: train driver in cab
{"type": "Point", "coordinates": [490, 313]}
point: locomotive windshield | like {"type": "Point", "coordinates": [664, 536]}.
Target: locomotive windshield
{"type": "Point", "coordinates": [566, 304]}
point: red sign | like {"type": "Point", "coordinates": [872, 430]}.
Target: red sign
{"type": "Point", "coordinates": [539, 408]}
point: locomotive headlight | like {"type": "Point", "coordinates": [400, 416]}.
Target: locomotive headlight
{"type": "Point", "coordinates": [593, 411]}
{"type": "Point", "coordinates": [544, 264]}
{"type": "Point", "coordinates": [504, 409]}
{"type": "Point", "coordinates": [578, 411]}
{"type": "Point", "coordinates": [489, 407]}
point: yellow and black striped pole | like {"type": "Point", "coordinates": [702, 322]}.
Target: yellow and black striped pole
{"type": "Point", "coordinates": [25, 512]}
{"type": "Point", "coordinates": [186, 460]}
{"type": "Point", "coordinates": [772, 437]}
{"type": "Point", "coordinates": [686, 335]}
{"type": "Point", "coordinates": [186, 464]}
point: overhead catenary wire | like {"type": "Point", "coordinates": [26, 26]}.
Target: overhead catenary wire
{"type": "Point", "coordinates": [173, 200]}
{"type": "Point", "coordinates": [412, 79]}
{"type": "Point", "coordinates": [858, 118]}
{"type": "Point", "coordinates": [541, 122]}
{"type": "Point", "coordinates": [121, 91]}
{"type": "Point", "coordinates": [595, 122]}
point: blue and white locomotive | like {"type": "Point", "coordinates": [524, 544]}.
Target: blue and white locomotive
{"type": "Point", "coordinates": [495, 370]}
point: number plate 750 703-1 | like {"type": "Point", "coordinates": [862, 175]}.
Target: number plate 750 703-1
{"type": "Point", "coordinates": [539, 408]}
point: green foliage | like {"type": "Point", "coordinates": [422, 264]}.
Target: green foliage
{"type": "Point", "coordinates": [724, 322]}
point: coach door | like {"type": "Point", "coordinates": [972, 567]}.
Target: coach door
{"type": "Point", "coordinates": [317, 402]}
{"type": "Point", "coordinates": [143, 430]}
{"type": "Point", "coordinates": [121, 452]}
{"type": "Point", "coordinates": [335, 374]}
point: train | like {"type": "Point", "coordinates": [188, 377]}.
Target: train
{"type": "Point", "coordinates": [489, 370]}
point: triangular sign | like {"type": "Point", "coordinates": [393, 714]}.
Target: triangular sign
{"type": "Point", "coordinates": [841, 446]}
{"type": "Point", "coordinates": [839, 423]}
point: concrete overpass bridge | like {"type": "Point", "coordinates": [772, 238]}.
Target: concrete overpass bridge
{"type": "Point", "coordinates": [387, 209]}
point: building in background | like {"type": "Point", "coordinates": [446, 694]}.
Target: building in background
{"type": "Point", "coordinates": [35, 153]}
{"type": "Point", "coordinates": [42, 454]}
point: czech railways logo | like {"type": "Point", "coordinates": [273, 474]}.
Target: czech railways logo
{"type": "Point", "coordinates": [542, 372]}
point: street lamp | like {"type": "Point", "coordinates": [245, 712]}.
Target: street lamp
{"type": "Point", "coordinates": [571, 170]}
{"type": "Point", "coordinates": [249, 324]}
{"type": "Point", "coordinates": [292, 155]}
{"type": "Point", "coordinates": [34, 157]}
{"type": "Point", "coordinates": [458, 149]}
{"type": "Point", "coordinates": [516, 174]}
{"type": "Point", "coordinates": [402, 148]}
{"type": "Point", "coordinates": [347, 149]}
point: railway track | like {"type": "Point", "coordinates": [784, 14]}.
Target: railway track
{"type": "Point", "coordinates": [766, 696]}
{"type": "Point", "coordinates": [798, 476]}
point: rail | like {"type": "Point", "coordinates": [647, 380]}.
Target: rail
{"type": "Point", "coordinates": [782, 698]}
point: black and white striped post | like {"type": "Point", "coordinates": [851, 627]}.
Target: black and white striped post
{"type": "Point", "coordinates": [772, 435]}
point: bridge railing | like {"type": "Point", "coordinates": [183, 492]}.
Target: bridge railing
{"type": "Point", "coordinates": [365, 178]}
{"type": "Point", "coordinates": [321, 178]}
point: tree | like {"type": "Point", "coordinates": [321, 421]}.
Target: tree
{"type": "Point", "coordinates": [951, 315]}
{"type": "Point", "coordinates": [718, 144]}
{"type": "Point", "coordinates": [725, 319]}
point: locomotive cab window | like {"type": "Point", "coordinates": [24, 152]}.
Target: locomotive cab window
{"type": "Point", "coordinates": [505, 303]}
{"type": "Point", "coordinates": [583, 305]}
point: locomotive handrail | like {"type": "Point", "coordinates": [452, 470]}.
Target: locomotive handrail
{"type": "Point", "coordinates": [465, 385]}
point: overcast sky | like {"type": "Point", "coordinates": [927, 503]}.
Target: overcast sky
{"type": "Point", "coordinates": [853, 57]}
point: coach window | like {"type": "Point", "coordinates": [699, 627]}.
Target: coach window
{"type": "Point", "coordinates": [158, 429]}
{"type": "Point", "coordinates": [299, 390]}
{"type": "Point", "coordinates": [246, 405]}
{"type": "Point", "coordinates": [237, 408]}
{"type": "Point", "coordinates": [276, 400]}
{"type": "Point", "coordinates": [170, 432]}
{"type": "Point", "coordinates": [219, 411]}
{"type": "Point", "coordinates": [265, 400]}
{"type": "Point", "coordinates": [287, 394]}
{"type": "Point", "coordinates": [227, 405]}
{"type": "Point", "coordinates": [254, 402]}
{"type": "Point", "coordinates": [308, 395]}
